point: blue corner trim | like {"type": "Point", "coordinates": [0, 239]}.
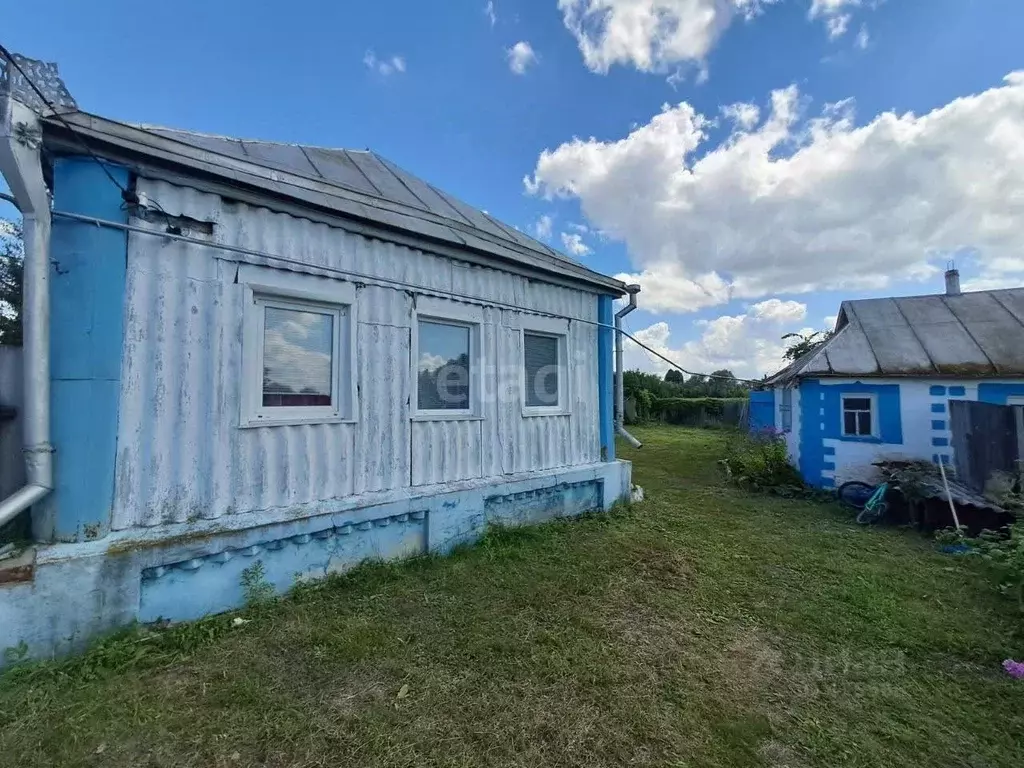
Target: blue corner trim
{"type": "Point", "coordinates": [941, 458]}
{"type": "Point", "coordinates": [87, 287]}
{"type": "Point", "coordinates": [998, 394]}
{"type": "Point", "coordinates": [957, 391]}
{"type": "Point", "coordinates": [829, 451]}
{"type": "Point", "coordinates": [828, 465]}
{"type": "Point", "coordinates": [605, 377]}
{"type": "Point", "coordinates": [938, 407]}
{"type": "Point", "coordinates": [937, 391]}
{"type": "Point", "coordinates": [938, 424]}
{"type": "Point", "coordinates": [940, 442]}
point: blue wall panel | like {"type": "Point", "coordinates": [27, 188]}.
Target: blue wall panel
{"type": "Point", "coordinates": [997, 394]}
{"type": "Point", "coordinates": [87, 284]}
{"type": "Point", "coordinates": [762, 410]}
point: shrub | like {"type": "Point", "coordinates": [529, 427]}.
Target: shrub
{"type": "Point", "coordinates": [1002, 552]}
{"type": "Point", "coordinates": [761, 461]}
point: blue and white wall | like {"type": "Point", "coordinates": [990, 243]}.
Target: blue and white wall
{"type": "Point", "coordinates": [912, 420]}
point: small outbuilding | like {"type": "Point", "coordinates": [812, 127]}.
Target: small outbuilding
{"type": "Point", "coordinates": [880, 387]}
{"type": "Point", "coordinates": [280, 360]}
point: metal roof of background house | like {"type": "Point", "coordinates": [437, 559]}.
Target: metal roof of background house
{"type": "Point", "coordinates": [970, 334]}
{"type": "Point", "coordinates": [356, 184]}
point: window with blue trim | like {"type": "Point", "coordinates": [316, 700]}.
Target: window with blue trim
{"type": "Point", "coordinates": [859, 415]}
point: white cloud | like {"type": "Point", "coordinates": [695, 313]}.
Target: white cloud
{"type": "Point", "coordinates": [490, 13]}
{"type": "Point", "coordinates": [830, 321]}
{"type": "Point", "coordinates": [666, 289]}
{"type": "Point", "coordinates": [792, 205]}
{"type": "Point", "coordinates": [385, 67]}
{"type": "Point", "coordinates": [750, 345]}
{"type": "Point", "coordinates": [863, 38]}
{"type": "Point", "coordinates": [836, 15]}
{"type": "Point", "coordinates": [573, 243]}
{"type": "Point", "coordinates": [651, 35]}
{"type": "Point", "coordinates": [743, 116]}
{"type": "Point", "coordinates": [837, 25]}
{"type": "Point", "coordinates": [520, 56]}
{"type": "Point", "coordinates": [542, 227]}
{"type": "Point", "coordinates": [778, 311]}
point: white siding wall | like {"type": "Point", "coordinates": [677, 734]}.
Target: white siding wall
{"type": "Point", "coordinates": [181, 454]}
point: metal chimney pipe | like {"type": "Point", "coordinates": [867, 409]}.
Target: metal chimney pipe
{"type": "Point", "coordinates": [952, 281]}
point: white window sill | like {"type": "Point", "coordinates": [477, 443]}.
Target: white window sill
{"type": "Point", "coordinates": [446, 417]}
{"type": "Point", "coordinates": [528, 412]}
{"type": "Point", "coordinates": [294, 422]}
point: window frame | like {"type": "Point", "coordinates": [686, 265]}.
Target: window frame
{"type": "Point", "coordinates": [786, 410]}
{"type": "Point", "coordinates": [263, 287]}
{"type": "Point", "coordinates": [447, 312]}
{"type": "Point", "coordinates": [558, 329]}
{"type": "Point", "coordinates": [873, 400]}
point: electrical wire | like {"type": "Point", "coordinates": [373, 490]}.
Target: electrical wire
{"type": "Point", "coordinates": [56, 113]}
{"type": "Point", "coordinates": [128, 196]}
{"type": "Point", "coordinates": [131, 199]}
{"type": "Point", "coordinates": [369, 278]}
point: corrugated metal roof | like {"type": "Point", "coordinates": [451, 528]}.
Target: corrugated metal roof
{"type": "Point", "coordinates": [359, 184]}
{"type": "Point", "coordinates": [970, 334]}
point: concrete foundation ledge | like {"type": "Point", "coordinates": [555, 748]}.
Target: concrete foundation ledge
{"type": "Point", "coordinates": [75, 592]}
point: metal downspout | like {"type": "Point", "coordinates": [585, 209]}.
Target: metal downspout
{"type": "Point", "coordinates": [620, 397]}
{"type": "Point", "coordinates": [20, 163]}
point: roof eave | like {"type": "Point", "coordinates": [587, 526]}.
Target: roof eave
{"type": "Point", "coordinates": [165, 152]}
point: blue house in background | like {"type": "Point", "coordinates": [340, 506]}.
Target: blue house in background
{"type": "Point", "coordinates": [881, 385]}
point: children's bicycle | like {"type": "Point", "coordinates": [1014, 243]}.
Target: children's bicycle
{"type": "Point", "coordinates": [869, 499]}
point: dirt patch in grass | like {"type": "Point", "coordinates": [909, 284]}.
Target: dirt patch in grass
{"type": "Point", "coordinates": [705, 627]}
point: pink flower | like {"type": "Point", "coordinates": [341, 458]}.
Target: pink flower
{"type": "Point", "coordinates": [1014, 669]}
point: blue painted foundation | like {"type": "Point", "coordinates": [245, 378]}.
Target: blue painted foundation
{"type": "Point", "coordinates": [605, 377]}
{"type": "Point", "coordinates": [87, 285]}
{"type": "Point", "coordinates": [77, 591]}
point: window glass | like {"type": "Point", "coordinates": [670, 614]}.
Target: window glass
{"type": "Point", "coordinates": [443, 369]}
{"type": "Point", "coordinates": [540, 359]}
{"type": "Point", "coordinates": [298, 348]}
{"type": "Point", "coordinates": [786, 409]}
{"type": "Point", "coordinates": [857, 416]}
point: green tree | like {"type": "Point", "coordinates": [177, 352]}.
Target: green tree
{"type": "Point", "coordinates": [12, 257]}
{"type": "Point", "coordinates": [806, 343]}
{"type": "Point", "coordinates": [674, 376]}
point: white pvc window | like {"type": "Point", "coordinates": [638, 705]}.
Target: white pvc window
{"type": "Point", "coordinates": [297, 352]}
{"type": "Point", "coordinates": [447, 360]}
{"type": "Point", "coordinates": [860, 417]}
{"type": "Point", "coordinates": [545, 366]}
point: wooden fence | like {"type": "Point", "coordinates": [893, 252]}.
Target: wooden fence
{"type": "Point", "coordinates": [987, 439]}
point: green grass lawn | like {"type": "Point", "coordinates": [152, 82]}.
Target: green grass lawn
{"type": "Point", "coordinates": [704, 627]}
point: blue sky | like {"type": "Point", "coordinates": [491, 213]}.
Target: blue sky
{"type": "Point", "coordinates": [765, 237]}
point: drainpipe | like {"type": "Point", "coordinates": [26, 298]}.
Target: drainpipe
{"type": "Point", "coordinates": [620, 397]}
{"type": "Point", "coordinates": [20, 163]}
